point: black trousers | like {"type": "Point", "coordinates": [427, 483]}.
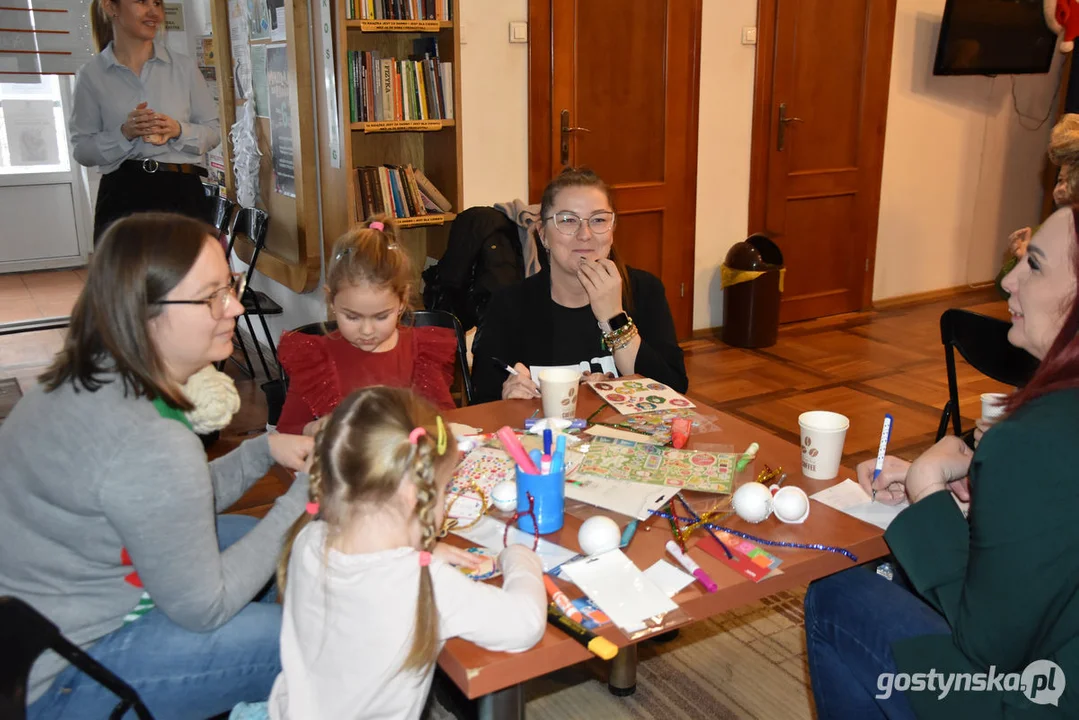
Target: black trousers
{"type": "Point", "coordinates": [129, 190]}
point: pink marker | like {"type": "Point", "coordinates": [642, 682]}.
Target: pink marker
{"type": "Point", "coordinates": [516, 450]}
{"type": "Point", "coordinates": [691, 567]}
{"type": "Point", "coordinates": [545, 464]}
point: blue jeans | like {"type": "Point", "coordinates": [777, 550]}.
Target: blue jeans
{"type": "Point", "coordinates": [851, 620]}
{"type": "Point", "coordinates": [178, 673]}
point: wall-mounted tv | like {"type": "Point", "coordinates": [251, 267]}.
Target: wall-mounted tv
{"type": "Point", "coordinates": [994, 37]}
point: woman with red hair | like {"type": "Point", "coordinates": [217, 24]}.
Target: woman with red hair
{"type": "Point", "coordinates": [993, 630]}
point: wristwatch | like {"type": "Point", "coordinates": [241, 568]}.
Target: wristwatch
{"type": "Point", "coordinates": [618, 322]}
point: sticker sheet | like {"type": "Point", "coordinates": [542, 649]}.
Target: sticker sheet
{"type": "Point", "coordinates": [638, 396]}
{"type": "Point", "coordinates": [487, 466]}
{"type": "Point", "coordinates": [657, 465]}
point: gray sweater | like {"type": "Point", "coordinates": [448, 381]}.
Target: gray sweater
{"type": "Point", "coordinates": [84, 475]}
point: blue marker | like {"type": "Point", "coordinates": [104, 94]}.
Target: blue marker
{"type": "Point", "coordinates": [627, 534]}
{"type": "Point", "coordinates": [547, 437]}
{"type": "Point", "coordinates": [885, 435]}
{"type": "Point", "coordinates": [537, 460]}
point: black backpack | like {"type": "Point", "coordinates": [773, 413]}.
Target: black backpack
{"type": "Point", "coordinates": [482, 255]}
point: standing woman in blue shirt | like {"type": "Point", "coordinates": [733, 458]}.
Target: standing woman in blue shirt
{"type": "Point", "coordinates": [142, 115]}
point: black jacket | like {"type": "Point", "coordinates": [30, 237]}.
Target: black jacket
{"type": "Point", "coordinates": [519, 327]}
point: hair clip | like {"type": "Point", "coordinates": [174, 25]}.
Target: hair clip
{"type": "Point", "coordinates": [416, 434]}
{"type": "Point", "coordinates": [341, 253]}
{"type": "Point", "coordinates": [377, 225]}
{"type": "Point", "coordinates": [425, 558]}
{"type": "Point", "coordinates": [442, 437]}
{"type": "Point", "coordinates": [312, 508]}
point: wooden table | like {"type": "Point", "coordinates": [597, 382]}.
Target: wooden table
{"type": "Point", "coordinates": [496, 679]}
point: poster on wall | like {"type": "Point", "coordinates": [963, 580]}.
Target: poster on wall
{"type": "Point", "coordinates": [258, 80]}
{"type": "Point", "coordinates": [174, 16]}
{"type": "Point", "coordinates": [281, 146]}
{"type": "Point", "coordinates": [30, 126]}
{"type": "Point", "coordinates": [258, 18]}
{"type": "Point", "coordinates": [241, 51]}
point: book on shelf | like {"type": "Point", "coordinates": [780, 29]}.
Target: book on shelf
{"type": "Point", "coordinates": [399, 9]}
{"type": "Point", "coordinates": [397, 191]}
{"type": "Point", "coordinates": [384, 89]}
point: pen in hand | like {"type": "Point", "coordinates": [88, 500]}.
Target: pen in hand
{"type": "Point", "coordinates": [506, 366]}
{"type": "Point", "coordinates": [882, 450]}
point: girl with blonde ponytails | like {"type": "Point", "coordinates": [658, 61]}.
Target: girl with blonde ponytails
{"type": "Point", "coordinates": [369, 596]}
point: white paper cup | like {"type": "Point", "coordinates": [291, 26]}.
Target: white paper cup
{"type": "Point", "coordinates": [823, 434]}
{"type": "Point", "coordinates": [558, 390]}
{"type": "Point", "coordinates": [991, 409]}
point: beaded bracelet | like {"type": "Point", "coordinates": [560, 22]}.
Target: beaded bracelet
{"type": "Point", "coordinates": [611, 339]}
{"type": "Point", "coordinates": [624, 340]}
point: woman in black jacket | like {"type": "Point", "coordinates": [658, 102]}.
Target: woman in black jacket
{"type": "Point", "coordinates": [587, 310]}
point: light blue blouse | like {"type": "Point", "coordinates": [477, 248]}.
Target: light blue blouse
{"type": "Point", "coordinates": [170, 83]}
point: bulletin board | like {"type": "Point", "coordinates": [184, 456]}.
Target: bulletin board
{"type": "Point", "coordinates": [263, 54]}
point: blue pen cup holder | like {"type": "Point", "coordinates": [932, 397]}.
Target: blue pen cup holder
{"type": "Point", "coordinates": [549, 496]}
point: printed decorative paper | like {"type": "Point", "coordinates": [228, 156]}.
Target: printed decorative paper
{"type": "Point", "coordinates": [638, 396]}
{"type": "Point", "coordinates": [657, 465]}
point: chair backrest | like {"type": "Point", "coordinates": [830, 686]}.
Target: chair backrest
{"type": "Point", "coordinates": [983, 342]}
{"type": "Point", "coordinates": [221, 214]}
{"type": "Point", "coordinates": [443, 319]}
{"type": "Point", "coordinates": [24, 635]}
{"type": "Point", "coordinates": [253, 224]}
{"type": "Point", "coordinates": [419, 318]}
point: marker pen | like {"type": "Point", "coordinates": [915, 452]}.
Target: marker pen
{"type": "Point", "coordinates": [691, 567]}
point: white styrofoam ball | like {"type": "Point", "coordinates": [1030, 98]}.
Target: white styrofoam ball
{"type": "Point", "coordinates": [752, 502]}
{"type": "Point", "coordinates": [791, 504]}
{"type": "Point", "coordinates": [598, 534]}
{"type": "Point", "coordinates": [504, 496]}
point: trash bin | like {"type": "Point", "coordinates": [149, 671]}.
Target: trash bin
{"type": "Point", "coordinates": [752, 280]}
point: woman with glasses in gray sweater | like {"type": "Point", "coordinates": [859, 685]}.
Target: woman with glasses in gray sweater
{"type": "Point", "coordinates": [108, 507]}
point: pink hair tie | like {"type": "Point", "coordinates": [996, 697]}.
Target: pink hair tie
{"type": "Point", "coordinates": [425, 558]}
{"type": "Point", "coordinates": [416, 434]}
{"type": "Point", "coordinates": [376, 225]}
{"type": "Point", "coordinates": [312, 508]}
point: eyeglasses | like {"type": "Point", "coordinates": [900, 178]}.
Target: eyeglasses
{"type": "Point", "coordinates": [219, 300]}
{"type": "Point", "coordinates": [569, 223]}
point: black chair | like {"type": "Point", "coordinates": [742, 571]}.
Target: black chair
{"type": "Point", "coordinates": [24, 635]}
{"type": "Point", "coordinates": [253, 224]}
{"type": "Point", "coordinates": [983, 342]}
{"type": "Point", "coordinates": [221, 213]}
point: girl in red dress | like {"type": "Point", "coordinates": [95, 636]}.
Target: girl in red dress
{"type": "Point", "coordinates": [368, 285]}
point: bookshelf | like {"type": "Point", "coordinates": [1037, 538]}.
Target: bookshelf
{"type": "Point", "coordinates": [432, 146]}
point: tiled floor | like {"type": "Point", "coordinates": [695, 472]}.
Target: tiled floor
{"type": "Point", "coordinates": [30, 296]}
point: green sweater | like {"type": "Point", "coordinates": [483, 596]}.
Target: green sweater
{"type": "Point", "coordinates": [1007, 580]}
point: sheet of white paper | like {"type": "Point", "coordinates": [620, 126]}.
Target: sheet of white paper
{"type": "Point", "coordinates": [620, 589]}
{"type": "Point", "coordinates": [670, 579]}
{"type": "Point", "coordinates": [488, 533]}
{"type": "Point", "coordinates": [604, 431]}
{"type": "Point", "coordinates": [849, 497]}
{"type": "Point", "coordinates": [622, 496]}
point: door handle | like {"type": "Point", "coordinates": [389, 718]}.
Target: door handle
{"type": "Point", "coordinates": [781, 134]}
{"type": "Point", "coordinates": [566, 130]}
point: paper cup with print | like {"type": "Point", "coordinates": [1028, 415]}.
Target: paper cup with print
{"type": "Point", "coordinates": [991, 408]}
{"type": "Point", "coordinates": [823, 433]}
{"type": "Point", "coordinates": [558, 390]}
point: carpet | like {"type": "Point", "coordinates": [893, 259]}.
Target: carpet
{"type": "Point", "coordinates": [749, 663]}
{"type": "Point", "coordinates": [9, 395]}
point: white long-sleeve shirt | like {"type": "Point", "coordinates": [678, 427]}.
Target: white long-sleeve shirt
{"type": "Point", "coordinates": [348, 623]}
{"type": "Point", "coordinates": [106, 91]}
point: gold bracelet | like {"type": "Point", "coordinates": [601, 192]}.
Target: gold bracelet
{"type": "Point", "coordinates": [624, 340]}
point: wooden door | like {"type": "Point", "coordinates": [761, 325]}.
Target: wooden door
{"type": "Point", "coordinates": [823, 69]}
{"type": "Point", "coordinates": [627, 72]}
